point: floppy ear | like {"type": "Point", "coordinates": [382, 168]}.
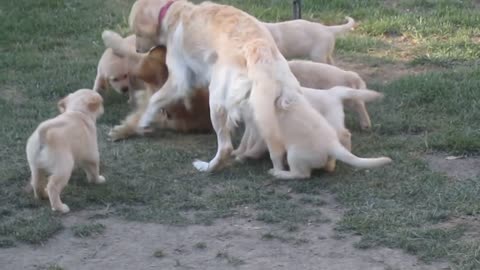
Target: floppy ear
{"type": "Point", "coordinates": [62, 105]}
{"type": "Point", "coordinates": [94, 103]}
{"type": "Point", "coordinates": [101, 83]}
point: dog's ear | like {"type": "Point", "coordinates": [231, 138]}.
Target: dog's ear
{"type": "Point", "coordinates": [62, 105]}
{"type": "Point", "coordinates": [94, 102]}
{"type": "Point", "coordinates": [100, 84]}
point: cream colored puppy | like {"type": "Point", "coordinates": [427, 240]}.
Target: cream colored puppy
{"type": "Point", "coordinates": [312, 141]}
{"type": "Point", "coordinates": [225, 49]}
{"type": "Point", "coordinates": [329, 103]}
{"type": "Point", "coordinates": [64, 142]}
{"type": "Point", "coordinates": [324, 76]}
{"type": "Point", "coordinates": [304, 39]}
{"type": "Point", "coordinates": [115, 70]}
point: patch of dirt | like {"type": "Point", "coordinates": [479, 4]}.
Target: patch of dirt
{"type": "Point", "coordinates": [381, 73]}
{"type": "Point", "coordinates": [233, 243]}
{"type": "Point", "coordinates": [455, 169]}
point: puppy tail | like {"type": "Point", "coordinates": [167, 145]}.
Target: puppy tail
{"type": "Point", "coordinates": [45, 127]}
{"type": "Point", "coordinates": [119, 45]}
{"type": "Point", "coordinates": [341, 153]}
{"type": "Point", "coordinates": [364, 95]}
{"type": "Point", "coordinates": [342, 28]}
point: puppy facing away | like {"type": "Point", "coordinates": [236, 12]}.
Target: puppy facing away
{"type": "Point", "coordinates": [114, 70]}
{"type": "Point", "coordinates": [312, 140]}
{"type": "Point", "coordinates": [304, 39]}
{"type": "Point", "coordinates": [152, 70]}
{"type": "Point", "coordinates": [64, 142]}
{"type": "Point", "coordinates": [329, 103]}
{"type": "Point", "coordinates": [324, 76]}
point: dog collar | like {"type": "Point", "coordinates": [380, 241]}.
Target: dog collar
{"type": "Point", "coordinates": [163, 11]}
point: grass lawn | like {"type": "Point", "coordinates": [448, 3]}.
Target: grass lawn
{"type": "Point", "coordinates": [423, 54]}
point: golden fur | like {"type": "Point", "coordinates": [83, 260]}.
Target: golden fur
{"type": "Point", "coordinates": [227, 49]}
{"type": "Point", "coordinates": [64, 142]}
{"type": "Point", "coordinates": [304, 39]}
{"type": "Point", "coordinates": [324, 76]}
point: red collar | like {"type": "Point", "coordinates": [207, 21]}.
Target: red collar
{"type": "Point", "coordinates": [163, 11]}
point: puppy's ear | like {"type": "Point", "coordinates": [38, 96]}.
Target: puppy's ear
{"type": "Point", "coordinates": [100, 84]}
{"type": "Point", "coordinates": [94, 103]}
{"type": "Point", "coordinates": [62, 105]}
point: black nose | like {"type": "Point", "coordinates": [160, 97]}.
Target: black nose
{"type": "Point", "coordinates": [138, 51]}
{"type": "Point", "coordinates": [124, 89]}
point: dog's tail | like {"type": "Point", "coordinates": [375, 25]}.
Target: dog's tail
{"type": "Point", "coordinates": [342, 28]}
{"type": "Point", "coordinates": [119, 45]}
{"type": "Point", "coordinates": [45, 127]}
{"type": "Point", "coordinates": [341, 153]}
{"type": "Point", "coordinates": [343, 93]}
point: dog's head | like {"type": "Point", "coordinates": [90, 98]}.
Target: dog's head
{"type": "Point", "coordinates": [143, 21]}
{"type": "Point", "coordinates": [113, 70]}
{"type": "Point", "coordinates": [152, 69]}
{"type": "Point", "coordinates": [83, 100]}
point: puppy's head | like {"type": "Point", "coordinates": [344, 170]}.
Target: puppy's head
{"type": "Point", "coordinates": [113, 70]}
{"type": "Point", "coordinates": [143, 21]}
{"type": "Point", "coordinates": [83, 100]}
{"type": "Point", "coordinates": [152, 69]}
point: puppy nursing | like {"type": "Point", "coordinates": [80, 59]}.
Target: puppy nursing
{"type": "Point", "coordinates": [64, 142]}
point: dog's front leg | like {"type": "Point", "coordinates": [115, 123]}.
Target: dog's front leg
{"type": "Point", "coordinates": [162, 98]}
{"type": "Point", "coordinates": [219, 116]}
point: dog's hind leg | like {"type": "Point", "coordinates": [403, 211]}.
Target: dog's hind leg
{"type": "Point", "coordinates": [37, 181]}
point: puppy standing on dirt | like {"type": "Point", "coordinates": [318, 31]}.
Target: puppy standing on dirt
{"type": "Point", "coordinates": [304, 39]}
{"type": "Point", "coordinates": [66, 141]}
{"type": "Point", "coordinates": [323, 76]}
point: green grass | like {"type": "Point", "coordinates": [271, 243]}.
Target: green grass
{"type": "Point", "coordinates": [54, 49]}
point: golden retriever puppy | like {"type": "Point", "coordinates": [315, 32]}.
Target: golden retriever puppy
{"type": "Point", "coordinates": [304, 39]}
{"type": "Point", "coordinates": [152, 70]}
{"type": "Point", "coordinates": [313, 141]}
{"type": "Point", "coordinates": [114, 70]}
{"type": "Point", "coordinates": [64, 142]}
{"type": "Point", "coordinates": [324, 76]}
{"type": "Point", "coordinates": [329, 103]}
{"type": "Point", "coordinates": [225, 49]}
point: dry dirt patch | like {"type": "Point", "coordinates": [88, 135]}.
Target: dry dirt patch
{"type": "Point", "coordinates": [233, 243]}
{"type": "Point", "coordinates": [456, 168]}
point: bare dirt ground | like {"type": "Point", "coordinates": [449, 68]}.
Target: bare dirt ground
{"type": "Point", "coordinates": [233, 243]}
{"type": "Point", "coordinates": [456, 168]}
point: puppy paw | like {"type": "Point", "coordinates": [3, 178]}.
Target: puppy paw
{"type": "Point", "coordinates": [62, 209]}
{"type": "Point", "coordinates": [240, 158]}
{"type": "Point", "coordinates": [365, 125]}
{"type": "Point", "coordinates": [100, 180]}
{"type": "Point", "coordinates": [201, 166]}
{"type": "Point", "coordinates": [273, 171]}
{"type": "Point", "coordinates": [117, 133]}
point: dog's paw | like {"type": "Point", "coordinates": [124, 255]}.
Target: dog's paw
{"type": "Point", "coordinates": [273, 171]}
{"type": "Point", "coordinates": [62, 209]}
{"type": "Point", "coordinates": [201, 166]}
{"type": "Point", "coordinates": [101, 179]}
{"type": "Point", "coordinates": [117, 133]}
